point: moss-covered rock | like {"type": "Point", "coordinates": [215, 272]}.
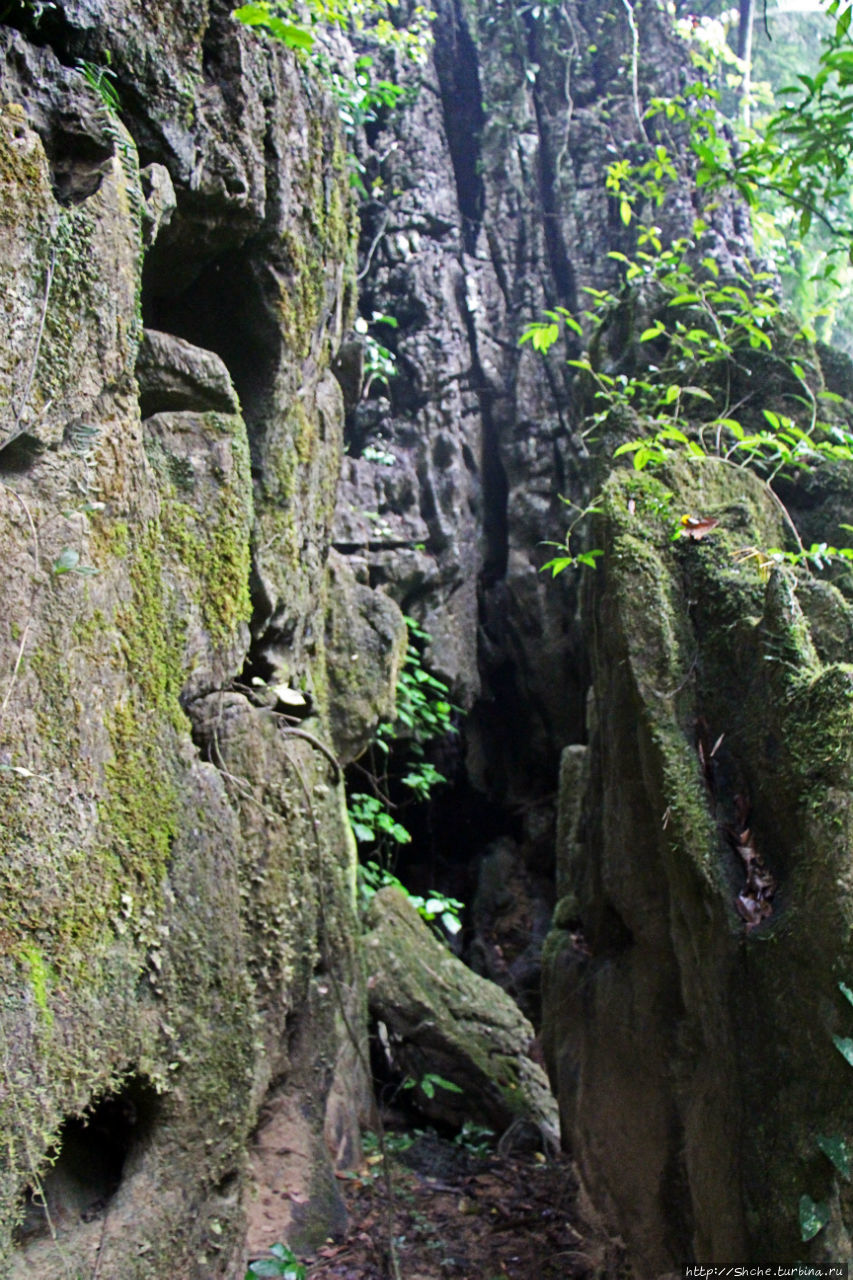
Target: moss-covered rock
{"type": "Point", "coordinates": [723, 732]}
{"type": "Point", "coordinates": [444, 1020]}
{"type": "Point", "coordinates": [177, 886]}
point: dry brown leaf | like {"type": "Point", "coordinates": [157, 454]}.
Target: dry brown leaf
{"type": "Point", "coordinates": [695, 527]}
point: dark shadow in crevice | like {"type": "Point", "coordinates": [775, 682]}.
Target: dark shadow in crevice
{"type": "Point", "coordinates": [93, 1156]}
{"type": "Point", "coordinates": [225, 306]}
{"type": "Point", "coordinates": [20, 454]}
{"type": "Point", "coordinates": [458, 72]}
{"type": "Point", "coordinates": [41, 24]}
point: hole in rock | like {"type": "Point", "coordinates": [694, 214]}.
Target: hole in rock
{"type": "Point", "coordinates": [42, 24]}
{"type": "Point", "coordinates": [19, 454]}
{"type": "Point", "coordinates": [93, 1154]}
{"type": "Point", "coordinates": [223, 305]}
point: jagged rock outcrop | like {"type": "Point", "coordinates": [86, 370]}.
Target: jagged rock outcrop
{"type": "Point", "coordinates": [177, 927]}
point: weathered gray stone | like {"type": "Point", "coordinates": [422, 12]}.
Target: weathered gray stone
{"type": "Point", "coordinates": [173, 375]}
{"type": "Point", "coordinates": [365, 647]}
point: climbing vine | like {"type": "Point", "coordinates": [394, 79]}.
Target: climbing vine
{"type": "Point", "coordinates": [691, 335]}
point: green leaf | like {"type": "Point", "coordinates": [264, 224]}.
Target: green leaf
{"type": "Point", "coordinates": [842, 986]}
{"type": "Point", "coordinates": [625, 211]}
{"type": "Point", "coordinates": [698, 392]}
{"type": "Point", "coordinates": [647, 334]}
{"type": "Point", "coordinates": [844, 1045]}
{"type": "Point", "coordinates": [558, 565]}
{"type": "Point", "coordinates": [835, 1149]}
{"type": "Point", "coordinates": [264, 1267]}
{"type": "Point", "coordinates": [813, 1217]}
{"type": "Point", "coordinates": [66, 562]}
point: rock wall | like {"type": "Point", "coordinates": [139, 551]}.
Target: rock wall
{"type": "Point", "coordinates": [186, 664]}
{"type": "Point", "coordinates": [485, 205]}
{"type": "Point", "coordinates": [719, 769]}
{"type": "Point", "coordinates": [177, 928]}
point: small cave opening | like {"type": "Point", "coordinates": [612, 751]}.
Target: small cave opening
{"type": "Point", "coordinates": [93, 1155]}
{"type": "Point", "coordinates": [222, 303]}
{"type": "Point", "coordinates": [42, 24]}
{"type": "Point", "coordinates": [20, 454]}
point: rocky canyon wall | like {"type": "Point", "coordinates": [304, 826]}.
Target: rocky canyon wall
{"type": "Point", "coordinates": [214, 515]}
{"type": "Point", "coordinates": [183, 1002]}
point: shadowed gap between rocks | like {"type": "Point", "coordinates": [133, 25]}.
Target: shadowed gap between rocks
{"type": "Point", "coordinates": [459, 82]}
{"type": "Point", "coordinates": [94, 1154]}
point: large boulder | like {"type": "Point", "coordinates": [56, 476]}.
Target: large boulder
{"type": "Point", "coordinates": [442, 1019]}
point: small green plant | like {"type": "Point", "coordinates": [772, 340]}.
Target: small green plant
{"type": "Point", "coordinates": [101, 79]}
{"type": "Point", "coordinates": [429, 1083]}
{"type": "Point", "coordinates": [370, 818]}
{"type": "Point", "coordinates": [394, 1143]}
{"type": "Point", "coordinates": [437, 907]}
{"type": "Point", "coordinates": [380, 364]}
{"type": "Point", "coordinates": [68, 561]}
{"type": "Point", "coordinates": [423, 715]}
{"type": "Point", "coordinates": [475, 1138]}
{"type": "Point", "coordinates": [282, 1263]}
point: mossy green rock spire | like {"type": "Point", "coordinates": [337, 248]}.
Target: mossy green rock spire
{"type": "Point", "coordinates": [690, 1034]}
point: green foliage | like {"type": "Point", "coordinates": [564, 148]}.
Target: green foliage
{"type": "Point", "coordinates": [380, 364]}
{"type": "Point", "coordinates": [437, 907]}
{"type": "Point", "coordinates": [698, 333]}
{"type": "Point", "coordinates": [101, 80]}
{"type": "Point", "coordinates": [835, 1150]}
{"type": "Point", "coordinates": [475, 1138]}
{"type": "Point", "coordinates": [283, 1264]}
{"type": "Point", "coordinates": [429, 1083]}
{"type": "Point", "coordinates": [300, 25]}
{"type": "Point", "coordinates": [266, 16]}
{"type": "Point", "coordinates": [793, 166]}
{"type": "Point", "coordinates": [397, 762]}
{"type": "Point", "coordinates": [423, 714]}
{"type": "Point", "coordinates": [370, 819]}
{"type": "Point", "coordinates": [297, 25]}
{"type": "Point", "coordinates": [68, 561]}
{"type": "Point", "coordinates": [813, 1217]}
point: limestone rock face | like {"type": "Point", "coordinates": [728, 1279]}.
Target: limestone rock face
{"type": "Point", "coordinates": [177, 924]}
{"type": "Point", "coordinates": [691, 977]}
{"type": "Point", "coordinates": [441, 1019]}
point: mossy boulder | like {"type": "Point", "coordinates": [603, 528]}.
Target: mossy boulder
{"type": "Point", "coordinates": [444, 1020]}
{"type": "Point", "coordinates": [176, 898]}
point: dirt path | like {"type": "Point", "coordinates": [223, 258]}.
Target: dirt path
{"type": "Point", "coordinates": [457, 1214]}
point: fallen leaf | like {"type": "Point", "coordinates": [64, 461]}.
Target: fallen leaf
{"type": "Point", "coordinates": [695, 528]}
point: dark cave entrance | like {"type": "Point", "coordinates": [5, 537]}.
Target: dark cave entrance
{"type": "Point", "coordinates": [93, 1155]}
